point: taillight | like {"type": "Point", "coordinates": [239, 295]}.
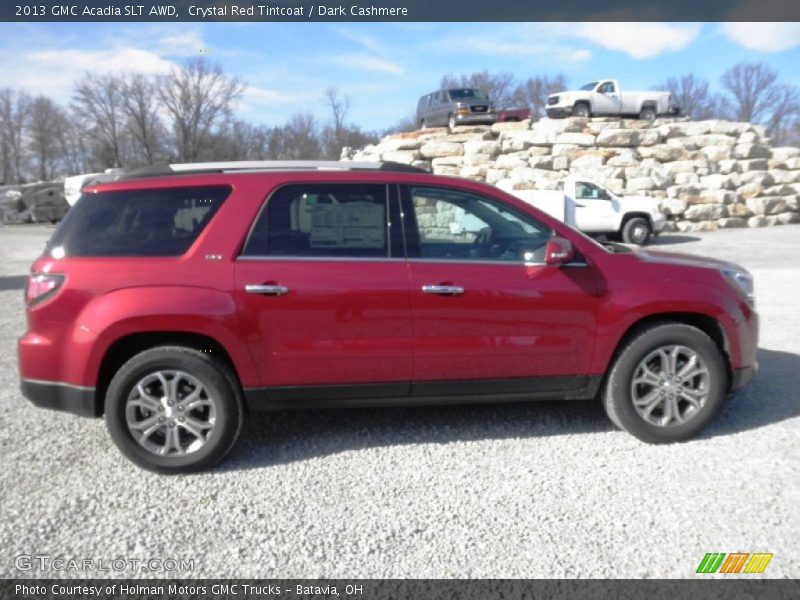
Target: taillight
{"type": "Point", "coordinates": [42, 286]}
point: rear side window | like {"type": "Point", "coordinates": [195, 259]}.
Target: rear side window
{"type": "Point", "coordinates": [162, 222]}
{"type": "Point", "coordinates": [323, 220]}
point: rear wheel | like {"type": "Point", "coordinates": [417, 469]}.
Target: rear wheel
{"type": "Point", "coordinates": [173, 409]}
{"type": "Point", "coordinates": [581, 110]}
{"type": "Point", "coordinates": [636, 231]}
{"type": "Point", "coordinates": [648, 114]}
{"type": "Point", "coordinates": [667, 383]}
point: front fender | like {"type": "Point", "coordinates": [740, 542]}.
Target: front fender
{"type": "Point", "coordinates": [621, 312]}
{"type": "Point", "coordinates": [156, 309]}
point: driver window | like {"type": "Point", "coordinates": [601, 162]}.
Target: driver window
{"type": "Point", "coordinates": [457, 225]}
{"type": "Point", "coordinates": [607, 88]}
{"type": "Point", "coordinates": [587, 191]}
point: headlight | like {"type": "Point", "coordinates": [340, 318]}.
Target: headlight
{"type": "Point", "coordinates": [742, 281]}
{"type": "Point", "coordinates": [462, 105]}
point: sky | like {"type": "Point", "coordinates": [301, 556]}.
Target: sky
{"type": "Point", "coordinates": [384, 67]}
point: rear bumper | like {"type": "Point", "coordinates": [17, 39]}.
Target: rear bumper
{"type": "Point", "coordinates": [60, 396]}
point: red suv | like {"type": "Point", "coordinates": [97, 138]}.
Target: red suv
{"type": "Point", "coordinates": [173, 301]}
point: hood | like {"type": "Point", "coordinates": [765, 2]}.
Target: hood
{"type": "Point", "coordinates": [642, 202]}
{"type": "Point", "coordinates": [686, 260]}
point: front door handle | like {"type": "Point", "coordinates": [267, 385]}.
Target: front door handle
{"type": "Point", "coordinates": [443, 290]}
{"type": "Point", "coordinates": [267, 290]}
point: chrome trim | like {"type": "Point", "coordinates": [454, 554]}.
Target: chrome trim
{"type": "Point", "coordinates": [410, 260]}
{"type": "Point", "coordinates": [322, 258]}
{"type": "Point", "coordinates": [444, 290]}
{"type": "Point", "coordinates": [267, 290]}
{"type": "Point", "coordinates": [59, 383]}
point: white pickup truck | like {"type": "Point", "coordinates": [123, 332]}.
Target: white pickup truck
{"type": "Point", "coordinates": [595, 210]}
{"type": "Point", "coordinates": [605, 97]}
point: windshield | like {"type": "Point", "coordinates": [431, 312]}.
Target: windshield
{"type": "Point", "coordinates": [589, 86]}
{"type": "Point", "coordinates": [465, 94]}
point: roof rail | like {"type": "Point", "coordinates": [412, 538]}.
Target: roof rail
{"type": "Point", "coordinates": [267, 165]}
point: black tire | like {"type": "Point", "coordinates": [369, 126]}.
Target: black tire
{"type": "Point", "coordinates": [423, 124]}
{"type": "Point", "coordinates": [648, 114]}
{"type": "Point", "coordinates": [581, 109]}
{"type": "Point", "coordinates": [451, 121]}
{"type": "Point", "coordinates": [637, 231]}
{"type": "Point", "coordinates": [618, 393]}
{"type": "Point", "coordinates": [218, 380]}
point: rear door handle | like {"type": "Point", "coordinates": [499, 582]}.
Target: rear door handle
{"type": "Point", "coordinates": [443, 290]}
{"type": "Point", "coordinates": [267, 290]}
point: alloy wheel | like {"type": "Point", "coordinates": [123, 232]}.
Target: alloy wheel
{"type": "Point", "coordinates": [670, 385]}
{"type": "Point", "coordinates": [170, 413]}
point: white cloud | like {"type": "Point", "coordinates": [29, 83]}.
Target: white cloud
{"type": "Point", "coordinates": [764, 37]}
{"type": "Point", "coordinates": [360, 38]}
{"type": "Point", "coordinates": [525, 49]}
{"type": "Point", "coordinates": [53, 72]}
{"type": "Point", "coordinates": [365, 62]}
{"type": "Point", "coordinates": [638, 40]}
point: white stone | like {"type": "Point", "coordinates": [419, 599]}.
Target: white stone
{"type": "Point", "coordinates": [436, 149]}
{"type": "Point", "coordinates": [767, 205]}
{"type": "Point", "coordinates": [618, 137]}
{"type": "Point", "coordinates": [702, 212]}
{"type": "Point", "coordinates": [751, 151]}
{"type": "Point", "coordinates": [579, 139]}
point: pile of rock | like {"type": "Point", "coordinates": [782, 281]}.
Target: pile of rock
{"type": "Point", "coordinates": [710, 174]}
{"type": "Point", "coordinates": [32, 203]}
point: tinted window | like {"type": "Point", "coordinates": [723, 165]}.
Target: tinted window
{"type": "Point", "coordinates": [589, 86]}
{"type": "Point", "coordinates": [322, 220]}
{"type": "Point", "coordinates": [162, 222]}
{"type": "Point", "coordinates": [457, 225]}
{"type": "Point", "coordinates": [465, 94]}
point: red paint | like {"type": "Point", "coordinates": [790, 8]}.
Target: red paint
{"type": "Point", "coordinates": [366, 321]}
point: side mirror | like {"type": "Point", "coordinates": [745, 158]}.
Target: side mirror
{"type": "Point", "coordinates": [558, 251]}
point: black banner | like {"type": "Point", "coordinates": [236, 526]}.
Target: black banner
{"type": "Point", "coordinates": [734, 588]}
{"type": "Point", "coordinates": [399, 10]}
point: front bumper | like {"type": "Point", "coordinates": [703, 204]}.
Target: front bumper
{"type": "Point", "coordinates": [558, 112]}
{"type": "Point", "coordinates": [60, 396]}
{"type": "Point", "coordinates": [741, 377]}
{"type": "Point", "coordinates": [476, 118]}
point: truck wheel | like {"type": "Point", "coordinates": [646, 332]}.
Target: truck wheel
{"type": "Point", "coordinates": [451, 122]}
{"type": "Point", "coordinates": [648, 114]}
{"type": "Point", "coordinates": [581, 110]}
{"type": "Point", "coordinates": [667, 383]}
{"type": "Point", "coordinates": [636, 231]}
{"type": "Point", "coordinates": [173, 409]}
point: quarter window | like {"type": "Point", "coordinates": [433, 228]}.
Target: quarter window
{"type": "Point", "coordinates": [323, 220]}
{"type": "Point", "coordinates": [456, 225]}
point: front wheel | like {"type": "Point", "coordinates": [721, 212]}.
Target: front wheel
{"type": "Point", "coordinates": [636, 231]}
{"type": "Point", "coordinates": [667, 383]}
{"type": "Point", "coordinates": [451, 122]}
{"type": "Point", "coordinates": [581, 110]}
{"type": "Point", "coordinates": [173, 409]}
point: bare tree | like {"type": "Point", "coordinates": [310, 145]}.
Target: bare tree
{"type": "Point", "coordinates": [300, 138]}
{"type": "Point", "coordinates": [199, 98]}
{"type": "Point", "coordinates": [692, 95]}
{"type": "Point", "coordinates": [333, 136]}
{"type": "Point", "coordinates": [498, 87]}
{"type": "Point", "coordinates": [753, 88]}
{"type": "Point", "coordinates": [98, 102]}
{"type": "Point", "coordinates": [47, 125]}
{"type": "Point", "coordinates": [14, 111]}
{"type": "Point", "coordinates": [784, 120]}
{"type": "Point", "coordinates": [140, 106]}
{"type": "Point", "coordinates": [534, 91]}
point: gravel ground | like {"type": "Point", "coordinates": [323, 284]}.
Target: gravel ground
{"type": "Point", "coordinates": [522, 490]}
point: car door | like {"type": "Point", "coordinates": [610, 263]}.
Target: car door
{"type": "Point", "coordinates": [323, 292]}
{"type": "Point", "coordinates": [607, 100]}
{"type": "Point", "coordinates": [595, 209]}
{"type": "Point", "coordinates": [485, 306]}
